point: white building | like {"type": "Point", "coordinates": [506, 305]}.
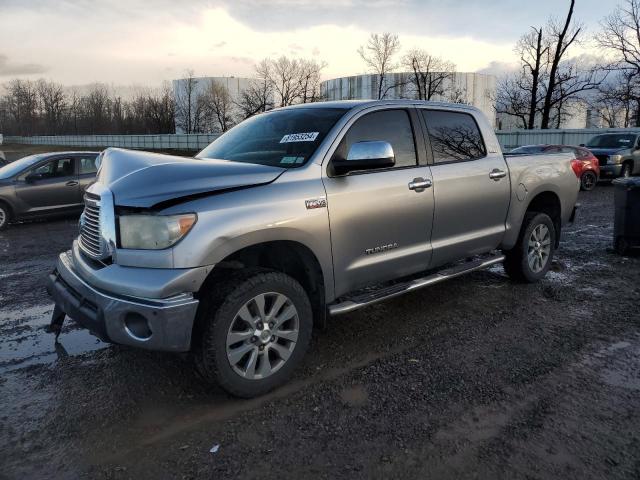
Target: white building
{"type": "Point", "coordinates": [475, 89]}
{"type": "Point", "coordinates": [234, 85]}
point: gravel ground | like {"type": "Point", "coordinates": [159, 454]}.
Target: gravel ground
{"type": "Point", "coordinates": [474, 378]}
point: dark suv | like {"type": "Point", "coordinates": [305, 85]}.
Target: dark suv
{"type": "Point", "coordinates": [618, 153]}
{"type": "Point", "coordinates": [45, 184]}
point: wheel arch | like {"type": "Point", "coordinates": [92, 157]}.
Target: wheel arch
{"type": "Point", "coordinates": [287, 256]}
{"type": "Point", "coordinates": [548, 202]}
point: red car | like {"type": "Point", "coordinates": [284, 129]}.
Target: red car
{"type": "Point", "coordinates": [586, 165]}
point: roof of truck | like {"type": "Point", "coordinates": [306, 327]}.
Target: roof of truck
{"type": "Point", "coordinates": [349, 104]}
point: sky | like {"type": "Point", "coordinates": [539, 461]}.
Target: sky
{"type": "Point", "coordinates": [145, 42]}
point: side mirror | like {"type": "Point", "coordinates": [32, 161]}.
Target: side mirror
{"type": "Point", "coordinates": [365, 156]}
{"type": "Point", "coordinates": [32, 177]}
{"type": "Point", "coordinates": [582, 145]}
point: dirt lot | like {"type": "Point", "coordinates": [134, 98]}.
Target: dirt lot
{"type": "Point", "coordinates": [475, 378]}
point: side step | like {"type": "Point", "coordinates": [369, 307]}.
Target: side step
{"type": "Point", "coordinates": [358, 301]}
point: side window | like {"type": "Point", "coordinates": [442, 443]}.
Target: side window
{"type": "Point", "coordinates": [393, 126]}
{"type": "Point", "coordinates": [62, 167]}
{"type": "Point", "coordinates": [88, 165]}
{"type": "Point", "coordinates": [454, 136]}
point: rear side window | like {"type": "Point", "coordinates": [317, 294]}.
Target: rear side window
{"type": "Point", "coordinates": [88, 165]}
{"type": "Point", "coordinates": [393, 126]}
{"type": "Point", "coordinates": [454, 136]}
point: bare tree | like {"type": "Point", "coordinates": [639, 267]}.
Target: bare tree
{"type": "Point", "coordinates": [54, 104]}
{"type": "Point", "coordinates": [309, 79]}
{"type": "Point", "coordinates": [186, 102]}
{"type": "Point", "coordinates": [161, 110]}
{"type": "Point", "coordinates": [563, 35]}
{"type": "Point", "coordinates": [620, 35]}
{"type": "Point", "coordinates": [513, 100]}
{"type": "Point", "coordinates": [98, 108]}
{"type": "Point", "coordinates": [378, 55]}
{"type": "Point", "coordinates": [22, 105]}
{"type": "Point", "coordinates": [285, 78]}
{"type": "Point", "coordinates": [219, 106]}
{"type": "Point", "coordinates": [533, 50]}
{"type": "Point", "coordinates": [258, 96]}
{"type": "Point", "coordinates": [429, 75]}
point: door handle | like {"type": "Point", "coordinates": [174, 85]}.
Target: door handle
{"type": "Point", "coordinates": [419, 184]}
{"type": "Point", "coordinates": [71, 183]}
{"type": "Point", "coordinates": [496, 174]}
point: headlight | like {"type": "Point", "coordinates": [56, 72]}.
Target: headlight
{"type": "Point", "coordinates": [154, 232]}
{"type": "Point", "coordinates": [615, 158]}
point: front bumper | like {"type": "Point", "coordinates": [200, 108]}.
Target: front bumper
{"type": "Point", "coordinates": [610, 171]}
{"type": "Point", "coordinates": [150, 323]}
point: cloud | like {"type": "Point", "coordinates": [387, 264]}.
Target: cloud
{"type": "Point", "coordinates": [11, 68]}
{"type": "Point", "coordinates": [497, 68]}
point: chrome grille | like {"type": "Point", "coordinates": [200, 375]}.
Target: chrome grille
{"type": "Point", "coordinates": [90, 237]}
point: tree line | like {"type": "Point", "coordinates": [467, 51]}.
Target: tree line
{"type": "Point", "coordinates": [47, 108]}
{"type": "Point", "coordinates": [549, 83]}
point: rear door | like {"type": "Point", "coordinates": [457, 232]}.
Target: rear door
{"type": "Point", "coordinates": [52, 185]}
{"type": "Point", "coordinates": [380, 226]}
{"type": "Point", "coordinates": [471, 187]}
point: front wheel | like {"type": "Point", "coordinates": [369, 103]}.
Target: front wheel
{"type": "Point", "coordinates": [254, 331]}
{"type": "Point", "coordinates": [531, 257]}
{"type": "Point", "coordinates": [588, 181]}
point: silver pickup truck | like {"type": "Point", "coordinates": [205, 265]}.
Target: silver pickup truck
{"type": "Point", "coordinates": [296, 214]}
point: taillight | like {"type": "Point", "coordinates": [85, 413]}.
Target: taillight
{"type": "Point", "coordinates": [577, 167]}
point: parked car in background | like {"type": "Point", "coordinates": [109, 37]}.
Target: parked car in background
{"type": "Point", "coordinates": [3, 159]}
{"type": "Point", "coordinates": [618, 154]}
{"type": "Point", "coordinates": [45, 184]}
{"type": "Point", "coordinates": [297, 213]}
{"type": "Point", "coordinates": [586, 165]}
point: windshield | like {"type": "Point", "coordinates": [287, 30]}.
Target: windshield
{"type": "Point", "coordinates": [282, 138]}
{"type": "Point", "coordinates": [18, 166]}
{"type": "Point", "coordinates": [612, 141]}
{"type": "Point", "coordinates": [529, 149]}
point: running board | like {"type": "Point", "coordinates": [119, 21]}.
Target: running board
{"type": "Point", "coordinates": [385, 293]}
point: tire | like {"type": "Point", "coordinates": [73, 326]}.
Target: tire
{"type": "Point", "coordinates": [627, 168]}
{"type": "Point", "coordinates": [243, 363]}
{"type": "Point", "coordinates": [517, 262]}
{"type": "Point", "coordinates": [5, 216]}
{"type": "Point", "coordinates": [588, 181]}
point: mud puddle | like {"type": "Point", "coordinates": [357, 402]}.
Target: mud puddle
{"type": "Point", "coordinates": [24, 340]}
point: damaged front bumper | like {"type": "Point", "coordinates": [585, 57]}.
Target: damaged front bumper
{"type": "Point", "coordinates": [150, 323]}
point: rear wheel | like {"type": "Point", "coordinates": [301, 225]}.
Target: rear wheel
{"type": "Point", "coordinates": [588, 180]}
{"type": "Point", "coordinates": [254, 331]}
{"type": "Point", "coordinates": [531, 257]}
{"type": "Point", "coordinates": [627, 168]}
{"type": "Point", "coordinates": [5, 216]}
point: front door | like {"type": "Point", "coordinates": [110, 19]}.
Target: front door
{"type": "Point", "coordinates": [52, 185]}
{"type": "Point", "coordinates": [380, 223]}
{"type": "Point", "coordinates": [471, 187]}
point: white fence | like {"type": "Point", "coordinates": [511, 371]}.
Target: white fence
{"type": "Point", "coordinates": [510, 139]}
{"type": "Point", "coordinates": [195, 141]}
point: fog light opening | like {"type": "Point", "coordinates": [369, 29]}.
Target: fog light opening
{"type": "Point", "coordinates": [137, 326]}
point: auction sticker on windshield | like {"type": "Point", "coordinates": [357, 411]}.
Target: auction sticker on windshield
{"type": "Point", "coordinates": [300, 137]}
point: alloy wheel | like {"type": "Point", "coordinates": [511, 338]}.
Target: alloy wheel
{"type": "Point", "coordinates": [539, 248]}
{"type": "Point", "coordinates": [262, 336]}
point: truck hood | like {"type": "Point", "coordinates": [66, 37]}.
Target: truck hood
{"type": "Point", "coordinates": [145, 180]}
{"type": "Point", "coordinates": [607, 151]}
